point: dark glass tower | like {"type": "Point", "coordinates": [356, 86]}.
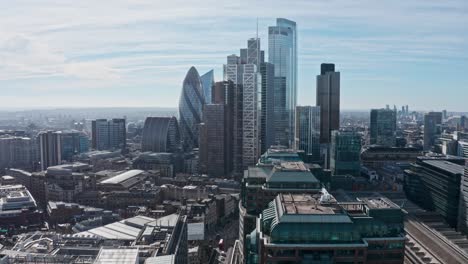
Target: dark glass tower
{"type": "Point", "coordinates": [328, 98]}
{"type": "Point", "coordinates": [383, 127]}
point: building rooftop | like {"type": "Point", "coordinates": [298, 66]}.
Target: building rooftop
{"type": "Point", "coordinates": [445, 165]}
{"type": "Point", "coordinates": [117, 256]}
{"type": "Point", "coordinates": [282, 172]}
{"type": "Point", "coordinates": [15, 197]}
{"type": "Point", "coordinates": [305, 204]}
{"type": "Point", "coordinates": [168, 259]}
{"type": "Point", "coordinates": [122, 177]}
{"type": "Point", "coordinates": [378, 203]}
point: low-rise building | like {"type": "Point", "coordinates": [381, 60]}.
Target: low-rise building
{"type": "Point", "coordinates": [302, 228]}
{"type": "Point", "coordinates": [18, 207]}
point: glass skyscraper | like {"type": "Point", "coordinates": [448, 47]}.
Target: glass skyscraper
{"type": "Point", "coordinates": [345, 153]}
{"type": "Point", "coordinates": [282, 53]}
{"type": "Point", "coordinates": [190, 109]}
{"type": "Point", "coordinates": [307, 135]}
{"type": "Point", "coordinates": [383, 127]}
{"type": "Point", "coordinates": [207, 80]}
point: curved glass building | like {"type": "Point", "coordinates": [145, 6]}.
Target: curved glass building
{"type": "Point", "coordinates": [160, 134]}
{"type": "Point", "coordinates": [190, 109]}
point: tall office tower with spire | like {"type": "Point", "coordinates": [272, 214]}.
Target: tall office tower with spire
{"type": "Point", "coordinates": [328, 98]}
{"type": "Point", "coordinates": [244, 72]}
{"type": "Point", "coordinates": [282, 53]}
{"type": "Point", "coordinates": [190, 109]}
{"type": "Point", "coordinates": [432, 122]}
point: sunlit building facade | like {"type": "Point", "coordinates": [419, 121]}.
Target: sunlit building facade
{"type": "Point", "coordinates": [282, 53]}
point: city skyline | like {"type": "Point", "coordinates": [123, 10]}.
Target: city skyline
{"type": "Point", "coordinates": [135, 52]}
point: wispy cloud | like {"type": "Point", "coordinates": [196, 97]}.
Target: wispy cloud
{"type": "Point", "coordinates": [145, 46]}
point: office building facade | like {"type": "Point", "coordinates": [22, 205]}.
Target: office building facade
{"type": "Point", "coordinates": [212, 159]}
{"type": "Point", "coordinates": [50, 149]}
{"type": "Point", "coordinates": [434, 184]}
{"type": "Point", "coordinates": [109, 134]}
{"type": "Point", "coordinates": [208, 82]}
{"type": "Point", "coordinates": [16, 152]}
{"type": "Point", "coordinates": [267, 122]}
{"type": "Point", "coordinates": [73, 143]}
{"type": "Point", "coordinates": [328, 99]}
{"type": "Point", "coordinates": [225, 93]}
{"type": "Point", "coordinates": [383, 127]}
{"type": "Point", "coordinates": [307, 136]}
{"type": "Point", "coordinates": [244, 73]}
{"type": "Point", "coordinates": [345, 153]}
{"type": "Point", "coordinates": [432, 130]}
{"type": "Point", "coordinates": [160, 134]}
{"type": "Point", "coordinates": [282, 53]}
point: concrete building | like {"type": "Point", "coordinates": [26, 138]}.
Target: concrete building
{"type": "Point", "coordinates": [432, 130]}
{"type": "Point", "coordinates": [138, 239]}
{"type": "Point", "coordinates": [345, 153]}
{"type": "Point", "coordinates": [18, 207]}
{"type": "Point", "coordinates": [328, 99]}
{"type": "Point", "coordinates": [160, 134]}
{"type": "Point", "coordinates": [302, 228]}
{"type": "Point", "coordinates": [50, 149]}
{"type": "Point", "coordinates": [383, 127]}
{"type": "Point", "coordinates": [16, 152]}
{"type": "Point", "coordinates": [109, 134]}
{"type": "Point", "coordinates": [307, 135]}
{"type": "Point", "coordinates": [64, 182]}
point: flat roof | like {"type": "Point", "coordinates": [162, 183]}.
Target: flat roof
{"type": "Point", "coordinates": [122, 177]}
{"type": "Point", "coordinates": [445, 165]}
{"type": "Point", "coordinates": [306, 204]}
{"type": "Point", "coordinates": [127, 229]}
{"type": "Point", "coordinates": [378, 203]}
{"type": "Point", "coordinates": [168, 259]}
{"type": "Point", "coordinates": [117, 255]}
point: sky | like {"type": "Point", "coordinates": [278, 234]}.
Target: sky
{"type": "Point", "coordinates": [88, 53]}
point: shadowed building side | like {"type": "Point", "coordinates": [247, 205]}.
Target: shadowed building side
{"type": "Point", "coordinates": [160, 134]}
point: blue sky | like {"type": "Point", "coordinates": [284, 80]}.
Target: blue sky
{"type": "Point", "coordinates": [56, 53]}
